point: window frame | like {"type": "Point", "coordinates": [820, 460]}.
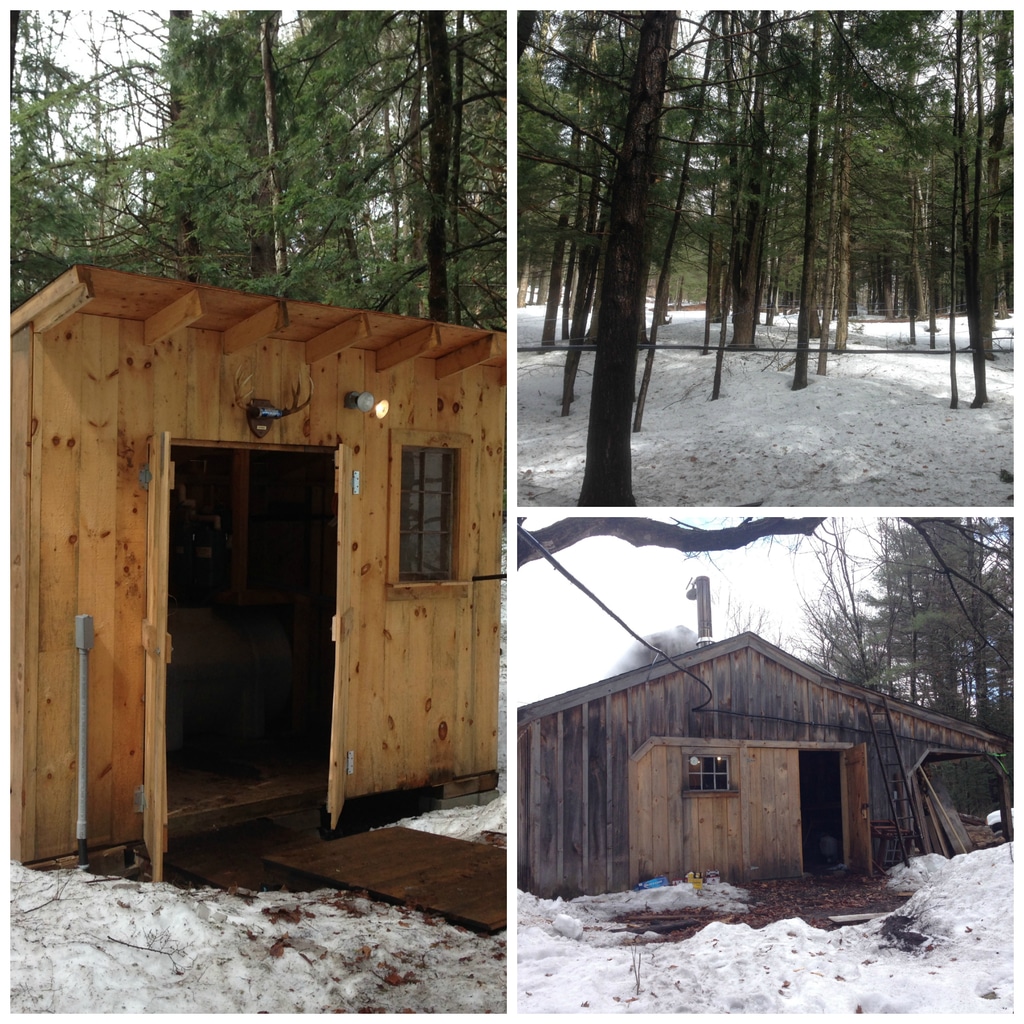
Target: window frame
{"type": "Point", "coordinates": [702, 773]}
{"type": "Point", "coordinates": [425, 533]}
{"type": "Point", "coordinates": [456, 584]}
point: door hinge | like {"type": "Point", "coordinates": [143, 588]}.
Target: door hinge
{"type": "Point", "coordinates": [350, 762]}
{"type": "Point", "coordinates": [145, 476]}
{"type": "Point", "coordinates": [355, 481]}
{"type": "Point", "coordinates": [139, 802]}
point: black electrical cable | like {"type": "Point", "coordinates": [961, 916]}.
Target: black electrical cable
{"type": "Point", "coordinates": [593, 597]}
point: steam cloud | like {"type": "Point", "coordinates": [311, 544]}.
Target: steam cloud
{"type": "Point", "coordinates": [676, 640]}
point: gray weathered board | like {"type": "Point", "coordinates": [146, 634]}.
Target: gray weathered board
{"type": "Point", "coordinates": [464, 882]}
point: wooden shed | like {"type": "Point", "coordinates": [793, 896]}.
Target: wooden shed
{"type": "Point", "coordinates": [742, 759]}
{"type": "Point", "coordinates": [272, 559]}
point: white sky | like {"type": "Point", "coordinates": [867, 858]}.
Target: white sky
{"type": "Point", "coordinates": [559, 639]}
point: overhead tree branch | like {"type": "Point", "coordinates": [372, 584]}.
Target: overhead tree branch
{"type": "Point", "coordinates": [649, 533]}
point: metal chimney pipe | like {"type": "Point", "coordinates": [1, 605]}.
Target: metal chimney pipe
{"type": "Point", "coordinates": [700, 591]}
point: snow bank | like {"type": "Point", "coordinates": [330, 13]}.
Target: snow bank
{"type": "Point", "coordinates": [949, 949]}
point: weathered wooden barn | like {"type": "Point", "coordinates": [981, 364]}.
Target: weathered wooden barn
{"type": "Point", "coordinates": [284, 520]}
{"type": "Point", "coordinates": [742, 759]}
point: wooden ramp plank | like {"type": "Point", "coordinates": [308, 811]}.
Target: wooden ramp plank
{"type": "Point", "coordinates": [464, 882]}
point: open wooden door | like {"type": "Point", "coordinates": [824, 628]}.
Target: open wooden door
{"type": "Point", "coordinates": [856, 809]}
{"type": "Point", "coordinates": [342, 631]}
{"type": "Point", "coordinates": [157, 644]}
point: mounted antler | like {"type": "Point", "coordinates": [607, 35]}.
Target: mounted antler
{"type": "Point", "coordinates": [296, 405]}
{"type": "Point", "coordinates": [260, 411]}
{"type": "Point", "coordinates": [242, 398]}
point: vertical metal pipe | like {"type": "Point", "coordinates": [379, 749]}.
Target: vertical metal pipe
{"type": "Point", "coordinates": [84, 639]}
{"type": "Point", "coordinates": [700, 591]}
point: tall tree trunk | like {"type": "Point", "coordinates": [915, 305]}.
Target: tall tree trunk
{"type": "Point", "coordinates": [268, 36]}
{"type": "Point", "coordinates": [828, 285]}
{"type": "Point", "coordinates": [607, 479]}
{"type": "Point", "coordinates": [958, 185]}
{"type": "Point", "coordinates": [661, 293]}
{"type": "Point", "coordinates": [1000, 112]}
{"type": "Point", "coordinates": [747, 267]}
{"type": "Point", "coordinates": [15, 18]}
{"type": "Point", "coordinates": [843, 241]}
{"type": "Point", "coordinates": [555, 282]}
{"type": "Point", "coordinates": [970, 216]}
{"type": "Point", "coordinates": [588, 261]}
{"type": "Point", "coordinates": [914, 284]}
{"type": "Point", "coordinates": [558, 258]}
{"type": "Point", "coordinates": [439, 109]}
{"type": "Point", "coordinates": [803, 323]}
{"type": "Point", "coordinates": [525, 23]}
{"type": "Point", "coordinates": [414, 214]}
{"type": "Point", "coordinates": [187, 249]}
{"type": "Point", "coordinates": [455, 184]}
{"type": "Point", "coordinates": [713, 291]}
{"type": "Point", "coordinates": [522, 294]}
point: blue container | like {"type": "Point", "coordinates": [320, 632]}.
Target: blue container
{"type": "Point", "coordinates": [652, 883]}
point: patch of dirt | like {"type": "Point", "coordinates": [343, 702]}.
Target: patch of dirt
{"type": "Point", "coordinates": [813, 898]}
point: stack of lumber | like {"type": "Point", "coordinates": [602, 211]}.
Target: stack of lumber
{"type": "Point", "coordinates": [946, 831]}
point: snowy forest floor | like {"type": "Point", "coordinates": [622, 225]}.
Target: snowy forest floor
{"type": "Point", "coordinates": [877, 430]}
{"type": "Point", "coordinates": [948, 948]}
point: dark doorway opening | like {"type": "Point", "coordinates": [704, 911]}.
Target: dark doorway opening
{"type": "Point", "coordinates": [821, 809]}
{"type": "Point", "coordinates": [252, 592]}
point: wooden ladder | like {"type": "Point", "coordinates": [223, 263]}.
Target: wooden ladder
{"type": "Point", "coordinates": [894, 771]}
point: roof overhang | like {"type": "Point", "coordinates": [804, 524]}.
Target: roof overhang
{"type": "Point", "coordinates": [165, 305]}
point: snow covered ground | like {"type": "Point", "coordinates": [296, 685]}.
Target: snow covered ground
{"type": "Point", "coordinates": [949, 949]}
{"type": "Point", "coordinates": [87, 944]}
{"type": "Point", "coordinates": [877, 430]}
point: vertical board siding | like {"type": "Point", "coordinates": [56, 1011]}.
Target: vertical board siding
{"type": "Point", "coordinates": [24, 581]}
{"type": "Point", "coordinates": [97, 554]}
{"type": "Point", "coordinates": [618, 794]}
{"type": "Point", "coordinates": [597, 797]}
{"type": "Point", "coordinates": [572, 831]}
{"type": "Point", "coordinates": [633, 796]}
{"type": "Point", "coordinates": [61, 371]}
{"type": "Point", "coordinates": [89, 394]}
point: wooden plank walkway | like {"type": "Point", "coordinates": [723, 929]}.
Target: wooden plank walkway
{"type": "Point", "coordinates": [464, 882]}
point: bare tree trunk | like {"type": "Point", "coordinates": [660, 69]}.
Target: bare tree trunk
{"type": "Point", "coordinates": [803, 328]}
{"type": "Point", "coordinates": [524, 284]}
{"type": "Point", "coordinates": [1000, 111]}
{"type": "Point", "coordinates": [831, 253]}
{"type": "Point", "coordinates": [15, 18]}
{"type": "Point", "coordinates": [186, 244]}
{"type": "Point", "coordinates": [746, 270]}
{"type": "Point", "coordinates": [414, 214]}
{"type": "Point", "coordinates": [843, 247]}
{"type": "Point", "coordinates": [914, 288]}
{"type": "Point", "coordinates": [525, 23]}
{"type": "Point", "coordinates": [439, 108]}
{"type": "Point", "coordinates": [970, 216]}
{"type": "Point", "coordinates": [661, 293]}
{"type": "Point", "coordinates": [555, 282]}
{"type": "Point", "coordinates": [586, 283]}
{"type": "Point", "coordinates": [268, 36]}
{"type": "Point", "coordinates": [607, 479]}
{"type": "Point", "coordinates": [455, 184]}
